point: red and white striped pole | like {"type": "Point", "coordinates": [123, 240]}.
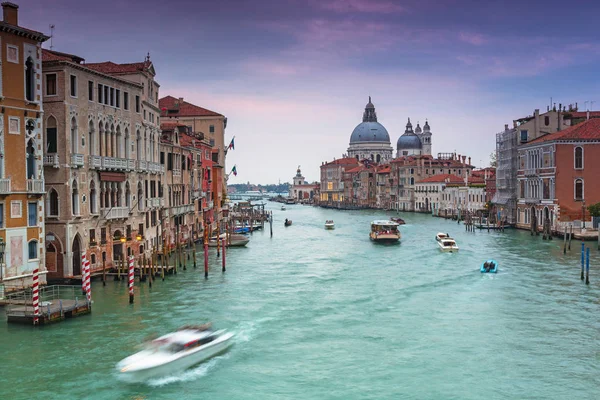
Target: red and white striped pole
{"type": "Point", "coordinates": [36, 297]}
{"type": "Point", "coordinates": [86, 281]}
{"type": "Point", "coordinates": [83, 273]}
{"type": "Point", "coordinates": [131, 277]}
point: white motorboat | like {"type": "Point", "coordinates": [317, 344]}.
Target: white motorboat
{"type": "Point", "coordinates": [384, 231]}
{"type": "Point", "coordinates": [237, 240]}
{"type": "Point", "coordinates": [282, 208]}
{"type": "Point", "coordinates": [174, 352]}
{"type": "Point", "coordinates": [329, 224]}
{"type": "Point", "coordinates": [448, 245]}
{"type": "Point", "coordinates": [441, 236]}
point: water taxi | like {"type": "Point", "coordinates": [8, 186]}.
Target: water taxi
{"type": "Point", "coordinates": [441, 236]}
{"type": "Point", "coordinates": [448, 245]}
{"type": "Point", "coordinates": [174, 352]}
{"type": "Point", "coordinates": [329, 224]}
{"type": "Point", "coordinates": [384, 231]}
{"type": "Point", "coordinates": [489, 266]}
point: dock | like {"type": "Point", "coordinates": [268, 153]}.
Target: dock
{"type": "Point", "coordinates": [57, 303]}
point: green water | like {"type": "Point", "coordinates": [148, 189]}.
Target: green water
{"type": "Point", "coordinates": [329, 315]}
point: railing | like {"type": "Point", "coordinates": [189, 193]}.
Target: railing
{"type": "Point", "coordinates": [178, 210]}
{"type": "Point", "coordinates": [95, 161]}
{"type": "Point", "coordinates": [115, 213]}
{"type": "Point", "coordinates": [35, 186]}
{"type": "Point", "coordinates": [4, 186]}
{"type": "Point", "coordinates": [114, 163]}
{"type": "Point", "coordinates": [156, 168]}
{"type": "Point", "coordinates": [77, 160]}
{"type": "Point", "coordinates": [155, 202]}
{"type": "Point", "coordinates": [530, 171]}
{"type": "Point", "coordinates": [531, 200]}
{"type": "Point", "coordinates": [51, 160]}
{"type": "Point", "coordinates": [142, 165]}
{"type": "Point", "coordinates": [131, 165]}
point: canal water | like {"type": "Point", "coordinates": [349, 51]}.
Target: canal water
{"type": "Point", "coordinates": [329, 315]}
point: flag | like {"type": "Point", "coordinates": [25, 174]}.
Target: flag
{"type": "Point", "coordinates": [234, 171]}
{"type": "Point", "coordinates": [231, 145]}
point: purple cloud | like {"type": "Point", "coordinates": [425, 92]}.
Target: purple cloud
{"type": "Point", "coordinates": [361, 6]}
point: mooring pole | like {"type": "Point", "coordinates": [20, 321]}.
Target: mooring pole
{"type": "Point", "coordinates": [565, 241]}
{"type": "Point", "coordinates": [206, 259]}
{"type": "Point", "coordinates": [224, 245]}
{"type": "Point", "coordinates": [103, 269]}
{"type": "Point", "coordinates": [271, 223]}
{"type": "Point", "coordinates": [570, 235]}
{"type": "Point", "coordinates": [587, 267]}
{"type": "Point", "coordinates": [582, 258]}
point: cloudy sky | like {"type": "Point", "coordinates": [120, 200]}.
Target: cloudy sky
{"type": "Point", "coordinates": [293, 76]}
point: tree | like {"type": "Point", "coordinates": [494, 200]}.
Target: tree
{"type": "Point", "coordinates": [594, 210]}
{"type": "Point", "coordinates": [493, 160]}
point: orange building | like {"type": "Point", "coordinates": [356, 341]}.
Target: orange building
{"type": "Point", "coordinates": [21, 170]}
{"type": "Point", "coordinates": [557, 175]}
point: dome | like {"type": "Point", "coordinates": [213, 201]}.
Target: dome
{"type": "Point", "coordinates": [418, 128]}
{"type": "Point", "coordinates": [370, 132]}
{"type": "Point", "coordinates": [409, 142]}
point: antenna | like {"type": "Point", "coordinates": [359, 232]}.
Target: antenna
{"type": "Point", "coordinates": [592, 105]}
{"type": "Point", "coordinates": [51, 35]}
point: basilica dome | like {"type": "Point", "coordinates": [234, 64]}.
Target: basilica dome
{"type": "Point", "coordinates": [370, 132]}
{"type": "Point", "coordinates": [408, 141]}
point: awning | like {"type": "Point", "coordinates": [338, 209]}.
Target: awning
{"type": "Point", "coordinates": [113, 176]}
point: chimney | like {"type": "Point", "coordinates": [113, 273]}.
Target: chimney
{"type": "Point", "coordinates": [464, 158]}
{"type": "Point", "coordinates": [469, 160]}
{"type": "Point", "coordinates": [10, 13]}
{"type": "Point", "coordinates": [505, 127]}
{"type": "Point", "coordinates": [588, 115]}
{"type": "Point", "coordinates": [180, 100]}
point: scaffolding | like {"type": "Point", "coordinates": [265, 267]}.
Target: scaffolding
{"type": "Point", "coordinates": [505, 198]}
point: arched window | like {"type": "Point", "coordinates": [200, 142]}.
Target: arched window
{"type": "Point", "coordinates": [140, 196]}
{"type": "Point", "coordinates": [119, 151]}
{"type": "Point", "coordinates": [546, 120]}
{"type": "Point", "coordinates": [138, 143]}
{"type": "Point", "coordinates": [412, 181]}
{"type": "Point", "coordinates": [107, 141]}
{"type": "Point", "coordinates": [51, 140]}
{"type": "Point", "coordinates": [75, 198]}
{"type": "Point", "coordinates": [29, 80]}
{"type": "Point", "coordinates": [33, 250]}
{"type": "Point", "coordinates": [101, 140]}
{"type": "Point", "coordinates": [127, 149]}
{"type": "Point", "coordinates": [578, 157]}
{"type": "Point", "coordinates": [113, 142]}
{"type": "Point", "coordinates": [127, 195]}
{"type": "Point", "coordinates": [91, 141]}
{"type": "Point", "coordinates": [93, 259]}
{"type": "Point", "coordinates": [73, 135]}
{"type": "Point", "coordinates": [579, 189]}
{"type": "Point", "coordinates": [93, 197]}
{"type": "Point", "coordinates": [378, 158]}
{"type": "Point", "coordinates": [53, 203]}
{"type": "Point", "coordinates": [30, 159]}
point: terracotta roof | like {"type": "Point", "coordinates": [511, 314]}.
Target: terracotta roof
{"type": "Point", "coordinates": [169, 125]}
{"type": "Point", "coordinates": [342, 161]}
{"type": "Point", "coordinates": [587, 130]}
{"type": "Point", "coordinates": [384, 169]}
{"type": "Point", "coordinates": [189, 140]}
{"type": "Point", "coordinates": [476, 180]}
{"type": "Point", "coordinates": [354, 169]}
{"type": "Point", "coordinates": [20, 31]}
{"type": "Point", "coordinates": [109, 67]}
{"type": "Point", "coordinates": [51, 55]}
{"type": "Point", "coordinates": [443, 178]}
{"type": "Point", "coordinates": [171, 107]}
{"type": "Point", "coordinates": [583, 114]}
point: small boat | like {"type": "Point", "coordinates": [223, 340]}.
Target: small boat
{"type": "Point", "coordinates": [384, 231]}
{"type": "Point", "coordinates": [174, 352]}
{"type": "Point", "coordinates": [448, 245]}
{"type": "Point", "coordinates": [282, 208]}
{"type": "Point", "coordinates": [329, 224]}
{"type": "Point", "coordinates": [241, 229]}
{"type": "Point", "coordinates": [287, 222]}
{"type": "Point", "coordinates": [489, 266]}
{"type": "Point", "coordinates": [235, 240]}
{"type": "Point", "coordinates": [441, 236]}
{"type": "Point", "coordinates": [397, 220]}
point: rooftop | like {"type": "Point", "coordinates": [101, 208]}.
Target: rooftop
{"type": "Point", "coordinates": [588, 130]}
{"type": "Point", "coordinates": [443, 178]}
{"type": "Point", "coordinates": [342, 161]}
{"type": "Point", "coordinates": [109, 67]}
{"type": "Point", "coordinates": [172, 107]}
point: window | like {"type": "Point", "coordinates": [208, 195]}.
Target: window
{"type": "Point", "coordinates": [546, 120]}
{"type": "Point", "coordinates": [14, 125]}
{"type": "Point", "coordinates": [106, 95]}
{"type": "Point", "coordinates": [125, 101]}
{"type": "Point", "coordinates": [112, 97]}
{"type": "Point", "coordinates": [73, 86]}
{"type": "Point", "coordinates": [53, 203]}
{"type": "Point", "coordinates": [1, 215]}
{"type": "Point", "coordinates": [578, 157]}
{"type": "Point", "coordinates": [92, 236]}
{"type": "Point", "coordinates": [141, 230]}
{"type": "Point", "coordinates": [15, 209]}
{"type": "Point", "coordinates": [90, 91]}
{"type": "Point", "coordinates": [50, 84]}
{"type": "Point", "coordinates": [51, 139]}
{"type": "Point", "coordinates": [100, 93]}
{"type": "Point", "coordinates": [75, 198]}
{"type": "Point", "coordinates": [578, 189]}
{"type": "Point", "coordinates": [102, 235]}
{"type": "Point", "coordinates": [32, 219]}
{"type": "Point", "coordinates": [137, 104]}
{"type": "Point", "coordinates": [12, 54]}
{"type": "Point", "coordinates": [524, 135]}
{"type": "Point", "coordinates": [118, 99]}
{"type": "Point", "coordinates": [211, 129]}
{"type": "Point", "coordinates": [33, 250]}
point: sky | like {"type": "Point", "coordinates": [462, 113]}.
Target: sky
{"type": "Point", "coordinates": [293, 76]}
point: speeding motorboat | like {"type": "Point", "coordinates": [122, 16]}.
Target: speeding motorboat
{"type": "Point", "coordinates": [441, 236]}
{"type": "Point", "coordinates": [448, 245]}
{"type": "Point", "coordinates": [329, 224]}
{"type": "Point", "coordinates": [489, 266]}
{"type": "Point", "coordinates": [398, 220]}
{"type": "Point", "coordinates": [174, 352]}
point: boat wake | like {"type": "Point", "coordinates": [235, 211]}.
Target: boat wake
{"type": "Point", "coordinates": [189, 375]}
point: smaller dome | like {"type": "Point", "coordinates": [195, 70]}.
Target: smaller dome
{"type": "Point", "coordinates": [409, 142]}
{"type": "Point", "coordinates": [418, 128]}
{"type": "Point", "coordinates": [426, 127]}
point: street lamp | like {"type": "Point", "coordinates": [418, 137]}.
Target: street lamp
{"type": "Point", "coordinates": [2, 247]}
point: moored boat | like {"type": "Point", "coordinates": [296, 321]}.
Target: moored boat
{"type": "Point", "coordinates": [329, 224]}
{"type": "Point", "coordinates": [397, 220]}
{"type": "Point", "coordinates": [489, 266]}
{"type": "Point", "coordinates": [174, 352]}
{"type": "Point", "coordinates": [384, 231]}
{"type": "Point", "coordinates": [439, 236]}
{"type": "Point", "coordinates": [233, 240]}
{"type": "Point", "coordinates": [448, 245]}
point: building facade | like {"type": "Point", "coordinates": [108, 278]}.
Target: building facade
{"type": "Point", "coordinates": [21, 152]}
{"type": "Point", "coordinates": [301, 190]}
{"type": "Point", "coordinates": [332, 184]}
{"type": "Point", "coordinates": [101, 161]}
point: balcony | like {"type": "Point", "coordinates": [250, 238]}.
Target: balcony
{"type": "Point", "coordinates": [142, 166]}
{"type": "Point", "coordinates": [95, 162]}
{"type": "Point", "coordinates": [35, 186]}
{"type": "Point", "coordinates": [4, 186]}
{"type": "Point", "coordinates": [155, 202]}
{"type": "Point", "coordinates": [115, 213]}
{"type": "Point", "coordinates": [77, 160]}
{"type": "Point", "coordinates": [51, 160]}
{"type": "Point", "coordinates": [156, 168]}
{"type": "Point", "coordinates": [179, 210]}
{"type": "Point", "coordinates": [197, 194]}
{"type": "Point", "coordinates": [130, 165]}
{"type": "Point", "coordinates": [114, 163]}
{"type": "Point", "coordinates": [531, 200]}
{"type": "Point", "coordinates": [530, 172]}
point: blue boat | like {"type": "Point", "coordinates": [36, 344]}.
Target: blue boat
{"type": "Point", "coordinates": [241, 229]}
{"type": "Point", "coordinates": [489, 266]}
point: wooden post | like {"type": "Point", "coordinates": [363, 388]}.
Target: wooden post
{"type": "Point", "coordinates": [182, 256]}
{"type": "Point", "coordinates": [103, 269]}
{"type": "Point", "coordinates": [150, 265]}
{"type": "Point", "coordinates": [142, 266]}
{"type": "Point", "coordinates": [218, 239]}
{"type": "Point", "coordinates": [271, 224]}
{"type": "Point", "coordinates": [194, 253]}
{"type": "Point", "coordinates": [582, 258]}
{"type": "Point", "coordinates": [224, 252]}
{"type": "Point", "coordinates": [587, 266]}
{"type": "Point", "coordinates": [565, 241]}
{"type": "Point", "coordinates": [570, 235]}
{"type": "Point", "coordinates": [206, 259]}
{"type": "Point", "coordinates": [164, 262]}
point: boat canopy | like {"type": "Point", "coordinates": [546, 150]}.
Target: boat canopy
{"type": "Point", "coordinates": [384, 223]}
